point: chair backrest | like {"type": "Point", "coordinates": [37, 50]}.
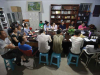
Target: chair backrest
{"type": "Point", "coordinates": [35, 44]}
{"type": "Point", "coordinates": [27, 52]}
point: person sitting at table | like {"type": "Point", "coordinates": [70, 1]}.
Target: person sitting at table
{"type": "Point", "coordinates": [71, 26]}
{"type": "Point", "coordinates": [43, 40]}
{"type": "Point", "coordinates": [23, 46]}
{"type": "Point", "coordinates": [20, 31]}
{"type": "Point", "coordinates": [8, 50]}
{"type": "Point", "coordinates": [23, 22]}
{"type": "Point", "coordinates": [47, 26]}
{"type": "Point", "coordinates": [54, 26]}
{"type": "Point", "coordinates": [14, 36]}
{"type": "Point", "coordinates": [77, 42]}
{"type": "Point", "coordinates": [57, 42]}
{"type": "Point", "coordinates": [27, 30]}
{"type": "Point", "coordinates": [81, 27]}
{"type": "Point", "coordinates": [41, 25]}
{"type": "Point", "coordinates": [10, 30]}
{"type": "Point", "coordinates": [62, 26]}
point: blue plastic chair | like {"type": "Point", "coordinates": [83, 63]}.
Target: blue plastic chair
{"type": "Point", "coordinates": [69, 58]}
{"type": "Point", "coordinates": [43, 54]}
{"type": "Point", "coordinates": [11, 65]}
{"type": "Point", "coordinates": [58, 56]}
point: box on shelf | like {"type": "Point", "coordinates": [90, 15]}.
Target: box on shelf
{"type": "Point", "coordinates": [16, 9]}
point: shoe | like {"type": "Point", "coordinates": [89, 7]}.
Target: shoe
{"type": "Point", "coordinates": [18, 63]}
{"type": "Point", "coordinates": [26, 61]}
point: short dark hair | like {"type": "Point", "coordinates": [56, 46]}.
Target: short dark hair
{"type": "Point", "coordinates": [40, 21]}
{"type": "Point", "coordinates": [25, 24]}
{"type": "Point", "coordinates": [77, 32]}
{"type": "Point", "coordinates": [20, 39]}
{"type": "Point", "coordinates": [23, 20]}
{"type": "Point", "coordinates": [47, 23]}
{"type": "Point", "coordinates": [58, 31]}
{"type": "Point", "coordinates": [19, 25]}
{"type": "Point", "coordinates": [62, 21]}
{"type": "Point", "coordinates": [41, 31]}
{"type": "Point", "coordinates": [83, 22]}
{"type": "Point", "coordinates": [0, 32]}
{"type": "Point", "coordinates": [13, 28]}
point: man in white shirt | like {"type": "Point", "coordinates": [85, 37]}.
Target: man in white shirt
{"type": "Point", "coordinates": [43, 39]}
{"type": "Point", "coordinates": [6, 49]}
{"type": "Point", "coordinates": [23, 22]}
{"type": "Point", "coordinates": [77, 42]}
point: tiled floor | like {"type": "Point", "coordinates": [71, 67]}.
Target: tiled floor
{"type": "Point", "coordinates": [27, 69]}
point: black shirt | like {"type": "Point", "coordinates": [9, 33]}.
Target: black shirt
{"type": "Point", "coordinates": [13, 41]}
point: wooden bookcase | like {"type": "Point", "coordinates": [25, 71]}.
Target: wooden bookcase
{"type": "Point", "coordinates": [64, 12]}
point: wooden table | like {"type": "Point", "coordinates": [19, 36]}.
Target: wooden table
{"type": "Point", "coordinates": [66, 44]}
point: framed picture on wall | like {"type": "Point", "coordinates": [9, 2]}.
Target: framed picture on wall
{"type": "Point", "coordinates": [34, 6]}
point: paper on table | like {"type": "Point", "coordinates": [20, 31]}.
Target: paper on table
{"type": "Point", "coordinates": [94, 40]}
{"type": "Point", "coordinates": [86, 39]}
{"type": "Point", "coordinates": [70, 39]}
{"type": "Point", "coordinates": [37, 31]}
{"type": "Point", "coordinates": [55, 30]}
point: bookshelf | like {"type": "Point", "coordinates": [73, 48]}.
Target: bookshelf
{"type": "Point", "coordinates": [83, 14]}
{"type": "Point", "coordinates": [64, 12]}
{"type": "Point", "coordinates": [3, 21]}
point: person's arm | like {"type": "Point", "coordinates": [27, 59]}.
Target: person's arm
{"type": "Point", "coordinates": [79, 27]}
{"type": "Point", "coordinates": [56, 27]}
{"type": "Point", "coordinates": [49, 38]}
{"type": "Point", "coordinates": [82, 43]}
{"type": "Point", "coordinates": [11, 46]}
{"type": "Point", "coordinates": [45, 27]}
{"type": "Point", "coordinates": [14, 38]}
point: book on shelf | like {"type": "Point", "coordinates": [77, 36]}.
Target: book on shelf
{"type": "Point", "coordinates": [68, 21]}
{"type": "Point", "coordinates": [56, 8]}
{"type": "Point", "coordinates": [52, 16]}
{"type": "Point", "coordinates": [53, 12]}
{"type": "Point", "coordinates": [58, 16]}
{"type": "Point", "coordinates": [57, 12]}
{"type": "Point", "coordinates": [69, 12]}
{"type": "Point", "coordinates": [65, 12]}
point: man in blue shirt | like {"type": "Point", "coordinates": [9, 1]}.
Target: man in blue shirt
{"type": "Point", "coordinates": [62, 26]}
{"type": "Point", "coordinates": [47, 26]}
{"type": "Point", "coordinates": [23, 46]}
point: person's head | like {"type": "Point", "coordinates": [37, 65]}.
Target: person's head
{"type": "Point", "coordinates": [41, 31]}
{"type": "Point", "coordinates": [3, 34]}
{"type": "Point", "coordinates": [72, 22]}
{"type": "Point", "coordinates": [19, 27]}
{"type": "Point", "coordinates": [23, 21]}
{"type": "Point", "coordinates": [41, 22]}
{"type": "Point", "coordinates": [83, 24]}
{"type": "Point", "coordinates": [25, 25]}
{"type": "Point", "coordinates": [47, 23]}
{"type": "Point", "coordinates": [14, 29]}
{"type": "Point", "coordinates": [53, 23]}
{"type": "Point", "coordinates": [62, 22]}
{"type": "Point", "coordinates": [22, 39]}
{"type": "Point", "coordinates": [58, 31]}
{"type": "Point", "coordinates": [77, 32]}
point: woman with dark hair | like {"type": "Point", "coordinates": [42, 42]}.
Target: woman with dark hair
{"type": "Point", "coordinates": [27, 30]}
{"type": "Point", "coordinates": [54, 26]}
{"type": "Point", "coordinates": [14, 36]}
{"type": "Point", "coordinates": [20, 31]}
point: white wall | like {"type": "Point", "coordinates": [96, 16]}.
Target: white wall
{"type": "Point", "coordinates": [45, 15]}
